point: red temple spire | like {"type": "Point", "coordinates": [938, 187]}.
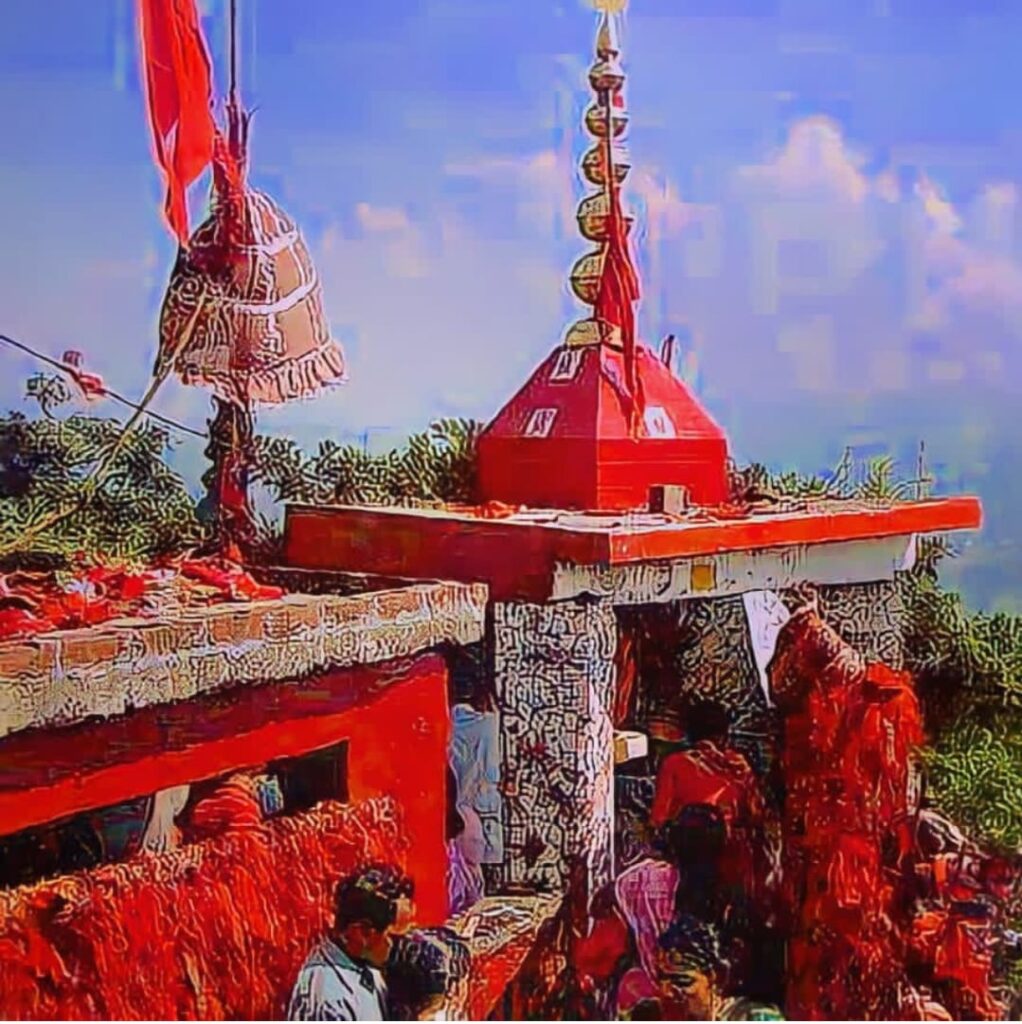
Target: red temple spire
{"type": "Point", "coordinates": [602, 421]}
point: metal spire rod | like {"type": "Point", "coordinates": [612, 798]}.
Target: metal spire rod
{"type": "Point", "coordinates": [234, 50]}
{"type": "Point", "coordinates": [608, 106]}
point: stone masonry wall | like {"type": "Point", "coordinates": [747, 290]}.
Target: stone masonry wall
{"type": "Point", "coordinates": [554, 674]}
{"type": "Point", "coordinates": [869, 616]}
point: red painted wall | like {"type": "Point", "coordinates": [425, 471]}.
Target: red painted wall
{"type": "Point", "coordinates": [394, 717]}
{"type": "Point", "coordinates": [398, 747]}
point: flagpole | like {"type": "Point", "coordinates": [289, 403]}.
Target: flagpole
{"type": "Point", "coordinates": [233, 93]}
{"type": "Point", "coordinates": [232, 426]}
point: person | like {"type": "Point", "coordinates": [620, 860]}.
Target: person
{"type": "Point", "coordinates": [464, 879]}
{"type": "Point", "coordinates": [422, 969]}
{"type": "Point", "coordinates": [712, 773]}
{"type": "Point", "coordinates": [645, 898]}
{"type": "Point", "coordinates": [341, 979]}
{"type": "Point", "coordinates": [475, 762]}
{"type": "Point", "coordinates": [228, 805]}
{"type": "Point", "coordinates": [688, 962]}
{"type": "Point", "coordinates": [691, 975]}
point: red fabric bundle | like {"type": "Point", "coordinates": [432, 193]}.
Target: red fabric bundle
{"type": "Point", "coordinates": [230, 579]}
{"type": "Point", "coordinates": [232, 806]}
{"type": "Point", "coordinates": [885, 732]}
{"type": "Point", "coordinates": [964, 959]}
{"type": "Point", "coordinates": [75, 608]}
{"type": "Point", "coordinates": [214, 930]}
{"type": "Point", "coordinates": [17, 621]}
{"type": "Point", "coordinates": [810, 653]}
{"type": "Point", "coordinates": [853, 875]}
{"type": "Point", "coordinates": [850, 731]}
{"type": "Point", "coordinates": [925, 935]}
{"type": "Point", "coordinates": [33, 603]}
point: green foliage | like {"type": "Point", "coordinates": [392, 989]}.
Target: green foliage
{"type": "Point", "coordinates": [975, 775]}
{"type": "Point", "coordinates": [959, 654]}
{"type": "Point", "coordinates": [879, 483]}
{"type": "Point", "coordinates": [432, 467]}
{"type": "Point", "coordinates": [141, 510]}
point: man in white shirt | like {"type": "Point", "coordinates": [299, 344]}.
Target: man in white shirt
{"type": "Point", "coordinates": [341, 980]}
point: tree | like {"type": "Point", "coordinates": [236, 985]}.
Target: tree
{"type": "Point", "coordinates": [141, 510]}
{"type": "Point", "coordinates": [435, 466]}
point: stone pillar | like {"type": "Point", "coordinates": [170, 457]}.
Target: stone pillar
{"type": "Point", "coordinates": [870, 617]}
{"type": "Point", "coordinates": [554, 675]}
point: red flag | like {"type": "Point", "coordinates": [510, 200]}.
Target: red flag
{"type": "Point", "coordinates": [619, 289]}
{"type": "Point", "coordinates": [179, 93]}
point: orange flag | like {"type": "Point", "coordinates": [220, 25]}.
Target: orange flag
{"type": "Point", "coordinates": [178, 80]}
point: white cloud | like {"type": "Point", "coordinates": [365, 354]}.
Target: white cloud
{"type": "Point", "coordinates": [391, 238]}
{"type": "Point", "coordinates": [813, 161]}
{"type": "Point", "coordinates": [381, 219]}
{"type": "Point", "coordinates": [941, 215]}
{"type": "Point", "coordinates": [814, 187]}
{"type": "Point", "coordinates": [543, 183]}
{"type": "Point", "coordinates": [667, 214]}
{"type": "Point", "coordinates": [542, 169]}
{"type": "Point", "coordinates": [977, 280]}
{"type": "Point", "coordinates": [885, 185]}
{"type": "Point", "coordinates": [965, 275]}
{"type": "Point", "coordinates": [1001, 195]}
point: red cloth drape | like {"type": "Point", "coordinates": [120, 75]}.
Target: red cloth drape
{"type": "Point", "coordinates": [619, 287]}
{"type": "Point", "coordinates": [625, 661]}
{"type": "Point", "coordinates": [850, 729]}
{"type": "Point", "coordinates": [178, 80]}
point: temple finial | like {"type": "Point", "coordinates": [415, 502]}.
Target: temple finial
{"type": "Point", "coordinates": [606, 44]}
{"type": "Point", "coordinates": [606, 38]}
{"type": "Point", "coordinates": [605, 166]}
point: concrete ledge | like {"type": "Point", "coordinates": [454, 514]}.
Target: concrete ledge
{"type": "Point", "coordinates": [501, 932]}
{"type": "Point", "coordinates": [66, 676]}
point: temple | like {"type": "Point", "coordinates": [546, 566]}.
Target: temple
{"type": "Point", "coordinates": [540, 640]}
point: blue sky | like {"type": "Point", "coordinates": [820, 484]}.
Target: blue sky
{"type": "Point", "coordinates": [827, 197]}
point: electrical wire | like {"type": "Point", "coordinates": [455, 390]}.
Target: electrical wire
{"type": "Point", "coordinates": [107, 392]}
{"type": "Point", "coordinates": [99, 472]}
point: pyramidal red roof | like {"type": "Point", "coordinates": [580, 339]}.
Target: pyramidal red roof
{"type": "Point", "coordinates": [565, 439]}
{"type": "Point", "coordinates": [580, 393]}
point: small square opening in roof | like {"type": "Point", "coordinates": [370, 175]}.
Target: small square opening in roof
{"type": "Point", "coordinates": [540, 423]}
{"type": "Point", "coordinates": [658, 423]}
{"type": "Point", "coordinates": [566, 365]}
